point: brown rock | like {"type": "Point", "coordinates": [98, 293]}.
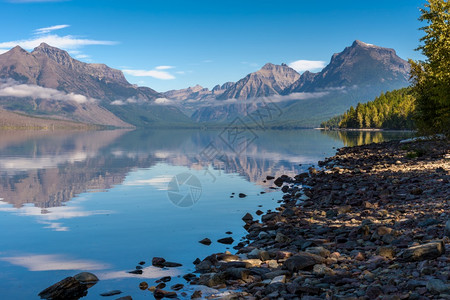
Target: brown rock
{"type": "Point", "coordinates": [387, 252]}
{"type": "Point", "coordinates": [301, 261]}
{"type": "Point", "coordinates": [159, 294]}
{"type": "Point", "coordinates": [426, 251]}
{"type": "Point", "coordinates": [226, 241]}
{"type": "Point", "coordinates": [158, 262]}
{"type": "Point", "coordinates": [205, 241]}
{"type": "Point", "coordinates": [143, 285]}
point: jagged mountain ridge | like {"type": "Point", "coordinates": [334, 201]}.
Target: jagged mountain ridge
{"type": "Point", "coordinates": [357, 74]}
{"type": "Point", "coordinates": [269, 80]}
{"type": "Point", "coordinates": [107, 89]}
{"type": "Point", "coordinates": [51, 67]}
{"type": "Point", "coordinates": [361, 70]}
{"type": "Point", "coordinates": [359, 64]}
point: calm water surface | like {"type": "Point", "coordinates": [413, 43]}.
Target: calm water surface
{"type": "Point", "coordinates": [103, 201]}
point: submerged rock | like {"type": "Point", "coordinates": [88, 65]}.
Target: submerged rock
{"type": "Point", "coordinates": [159, 294]}
{"type": "Point", "coordinates": [226, 241]}
{"type": "Point", "coordinates": [111, 293]}
{"type": "Point", "coordinates": [205, 241]}
{"type": "Point", "coordinates": [158, 262]}
{"type": "Point", "coordinates": [71, 287]}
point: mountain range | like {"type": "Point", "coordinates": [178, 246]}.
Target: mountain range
{"type": "Point", "coordinates": [48, 82]}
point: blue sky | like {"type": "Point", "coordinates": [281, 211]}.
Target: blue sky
{"type": "Point", "coordinates": [172, 44]}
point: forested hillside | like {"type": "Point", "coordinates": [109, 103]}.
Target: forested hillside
{"type": "Point", "coordinates": [391, 110]}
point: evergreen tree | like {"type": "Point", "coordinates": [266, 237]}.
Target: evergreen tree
{"type": "Point", "coordinates": [393, 110]}
{"type": "Point", "coordinates": [431, 78]}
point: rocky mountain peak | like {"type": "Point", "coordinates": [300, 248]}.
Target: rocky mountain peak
{"type": "Point", "coordinates": [17, 49]}
{"type": "Point", "coordinates": [270, 80]}
{"type": "Point", "coordinates": [53, 53]}
{"type": "Point", "coordinates": [357, 43]}
{"type": "Point", "coordinates": [268, 66]}
{"type": "Point", "coordinates": [359, 64]}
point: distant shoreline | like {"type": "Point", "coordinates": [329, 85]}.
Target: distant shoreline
{"type": "Point", "coordinates": [367, 129]}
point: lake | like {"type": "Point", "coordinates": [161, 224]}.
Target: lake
{"type": "Point", "coordinates": [103, 201]}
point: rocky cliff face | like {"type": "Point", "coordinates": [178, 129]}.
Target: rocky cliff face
{"type": "Point", "coordinates": [51, 67]}
{"type": "Point", "coordinates": [191, 93]}
{"type": "Point", "coordinates": [357, 74]}
{"type": "Point", "coordinates": [360, 64]}
{"type": "Point", "coordinates": [89, 93]}
{"type": "Point", "coordinates": [270, 80]}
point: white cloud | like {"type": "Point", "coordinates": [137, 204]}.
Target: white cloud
{"type": "Point", "coordinates": [3, 51]}
{"type": "Point", "coordinates": [10, 88]}
{"type": "Point", "coordinates": [159, 182]}
{"type": "Point", "coordinates": [148, 273]}
{"type": "Point", "coordinates": [67, 42]}
{"type": "Point", "coordinates": [42, 162]}
{"type": "Point", "coordinates": [53, 262]}
{"type": "Point", "coordinates": [158, 74]}
{"type": "Point", "coordinates": [307, 65]}
{"type": "Point", "coordinates": [82, 56]}
{"type": "Point", "coordinates": [164, 67]}
{"type": "Point", "coordinates": [121, 102]}
{"type": "Point", "coordinates": [118, 102]}
{"type": "Point", "coordinates": [49, 29]}
{"type": "Point", "coordinates": [164, 101]}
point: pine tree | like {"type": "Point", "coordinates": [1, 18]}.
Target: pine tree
{"type": "Point", "coordinates": [431, 78]}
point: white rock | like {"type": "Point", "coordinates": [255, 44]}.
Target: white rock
{"type": "Point", "coordinates": [279, 279]}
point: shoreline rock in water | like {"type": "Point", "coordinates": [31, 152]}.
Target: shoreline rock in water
{"type": "Point", "coordinates": [372, 223]}
{"type": "Point", "coordinates": [71, 287]}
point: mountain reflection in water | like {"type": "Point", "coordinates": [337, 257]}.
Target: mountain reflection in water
{"type": "Point", "coordinates": [50, 169]}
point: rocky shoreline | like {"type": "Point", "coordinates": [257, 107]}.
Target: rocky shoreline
{"type": "Point", "coordinates": [372, 222]}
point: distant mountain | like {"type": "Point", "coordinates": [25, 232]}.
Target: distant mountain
{"type": "Point", "coordinates": [357, 74]}
{"type": "Point", "coordinates": [268, 81]}
{"type": "Point", "coordinates": [48, 82]}
{"type": "Point", "coordinates": [11, 120]}
{"type": "Point", "coordinates": [104, 90]}
{"type": "Point", "coordinates": [51, 67]}
{"type": "Point", "coordinates": [191, 93]}
{"type": "Point", "coordinates": [360, 64]}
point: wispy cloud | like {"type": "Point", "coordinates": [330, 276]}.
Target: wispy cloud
{"type": "Point", "coordinates": [164, 67]}
{"type": "Point", "coordinates": [156, 73]}
{"type": "Point", "coordinates": [49, 29]}
{"type": "Point", "coordinates": [307, 65]}
{"type": "Point", "coordinates": [148, 273]}
{"type": "Point", "coordinates": [164, 101]}
{"type": "Point", "coordinates": [128, 101]}
{"type": "Point", "coordinates": [10, 88]}
{"type": "Point", "coordinates": [67, 42]}
{"type": "Point", "coordinates": [53, 262]}
{"type": "Point", "coordinates": [159, 182]}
